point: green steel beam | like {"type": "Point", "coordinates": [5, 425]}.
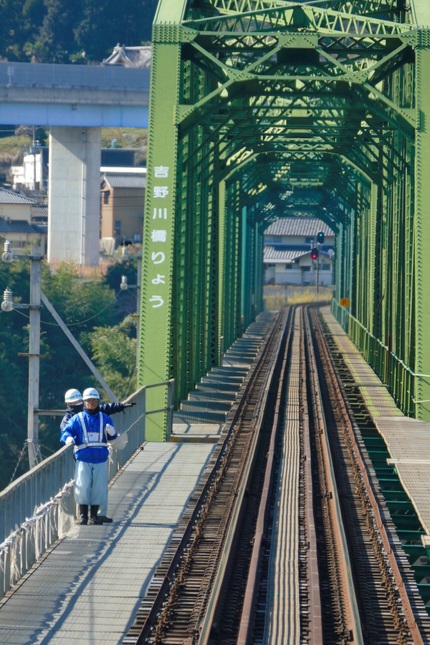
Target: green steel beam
{"type": "Point", "coordinates": [155, 358]}
{"type": "Point", "coordinates": [421, 12]}
{"type": "Point", "coordinates": [267, 108]}
{"type": "Point", "coordinates": [422, 232]}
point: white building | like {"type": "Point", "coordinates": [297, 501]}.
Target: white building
{"type": "Point", "coordinates": [288, 245]}
{"type": "Point", "coordinates": [33, 174]}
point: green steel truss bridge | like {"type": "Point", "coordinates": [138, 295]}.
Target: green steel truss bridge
{"type": "Point", "coordinates": [262, 109]}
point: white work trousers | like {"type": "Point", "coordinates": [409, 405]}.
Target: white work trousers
{"type": "Point", "coordinates": [91, 483]}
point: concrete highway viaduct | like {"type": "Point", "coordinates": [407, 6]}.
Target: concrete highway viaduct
{"type": "Point", "coordinates": [74, 102]}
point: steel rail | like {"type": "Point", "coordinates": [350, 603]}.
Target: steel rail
{"type": "Point", "coordinates": [209, 590]}
{"type": "Point", "coordinates": [252, 586]}
{"type": "Point", "coordinates": [153, 616]}
{"type": "Point", "coordinates": [403, 616]}
{"type": "Point", "coordinates": [342, 588]}
{"type": "Point", "coordinates": [310, 525]}
{"type": "Point", "coordinates": [257, 403]}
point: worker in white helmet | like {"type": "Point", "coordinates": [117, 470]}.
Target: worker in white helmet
{"type": "Point", "coordinates": [74, 405]}
{"type": "Point", "coordinates": [90, 431]}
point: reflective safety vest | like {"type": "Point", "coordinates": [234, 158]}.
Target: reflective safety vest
{"type": "Point", "coordinates": [100, 442]}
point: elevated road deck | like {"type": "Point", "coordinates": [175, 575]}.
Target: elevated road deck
{"type": "Point", "coordinates": [74, 95]}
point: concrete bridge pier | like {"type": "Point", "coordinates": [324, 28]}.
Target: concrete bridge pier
{"type": "Point", "coordinates": [74, 195]}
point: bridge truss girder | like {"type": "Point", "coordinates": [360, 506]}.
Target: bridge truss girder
{"type": "Point", "coordinates": [267, 108]}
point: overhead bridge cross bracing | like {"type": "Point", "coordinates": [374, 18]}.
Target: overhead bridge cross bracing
{"type": "Point", "coordinates": [262, 109]}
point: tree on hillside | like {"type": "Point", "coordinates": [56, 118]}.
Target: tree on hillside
{"type": "Point", "coordinates": [96, 35]}
{"type": "Point", "coordinates": [19, 20]}
{"type": "Point", "coordinates": [54, 42]}
{"type": "Point", "coordinates": [60, 31]}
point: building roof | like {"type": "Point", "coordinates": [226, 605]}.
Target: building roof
{"type": "Point", "coordinates": [124, 179]}
{"type": "Point", "coordinates": [299, 226]}
{"type": "Point", "coordinates": [19, 226]}
{"type": "Point", "coordinates": [273, 254]}
{"type": "Point", "coordinates": [130, 56]}
{"type": "Point", "coordinates": [39, 211]}
{"type": "Point", "coordinates": [11, 197]}
{"type": "Point", "coordinates": [288, 255]}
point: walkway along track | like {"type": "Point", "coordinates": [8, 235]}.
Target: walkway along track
{"type": "Point", "coordinates": [268, 550]}
{"type": "Point", "coordinates": [391, 609]}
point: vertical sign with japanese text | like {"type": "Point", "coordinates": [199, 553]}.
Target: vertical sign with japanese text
{"type": "Point", "coordinates": [158, 237]}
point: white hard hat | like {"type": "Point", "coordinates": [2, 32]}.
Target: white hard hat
{"type": "Point", "coordinates": [91, 393]}
{"type": "Point", "coordinates": [72, 396]}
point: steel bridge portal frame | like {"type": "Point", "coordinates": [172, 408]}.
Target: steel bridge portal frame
{"type": "Point", "coordinates": [262, 109]}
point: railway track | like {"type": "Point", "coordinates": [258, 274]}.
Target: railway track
{"type": "Point", "coordinates": [286, 539]}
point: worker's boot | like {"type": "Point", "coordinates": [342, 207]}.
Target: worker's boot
{"type": "Point", "coordinates": [83, 512]}
{"type": "Point", "coordinates": [94, 519]}
{"type": "Point", "coordinates": [104, 519]}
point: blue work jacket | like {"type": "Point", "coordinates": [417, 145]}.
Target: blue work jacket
{"type": "Point", "coordinates": [107, 408]}
{"type": "Point", "coordinates": [89, 435]}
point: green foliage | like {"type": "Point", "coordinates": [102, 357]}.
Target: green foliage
{"type": "Point", "coordinates": [115, 354]}
{"type": "Point", "coordinates": [82, 305]}
{"type": "Point", "coordinates": [18, 22]}
{"type": "Point", "coordinates": [124, 137]}
{"type": "Point", "coordinates": [82, 301]}
{"type": "Point", "coordinates": [91, 311]}
{"type": "Point", "coordinates": [60, 31]}
{"type": "Point", "coordinates": [101, 26]}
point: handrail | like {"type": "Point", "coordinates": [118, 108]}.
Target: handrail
{"type": "Point", "coordinates": [379, 342]}
{"type": "Point", "coordinates": [19, 500]}
{"type": "Point", "coordinates": [44, 495]}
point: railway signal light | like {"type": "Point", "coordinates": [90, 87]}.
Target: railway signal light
{"type": "Point", "coordinates": [320, 237]}
{"type": "Point", "coordinates": [314, 254]}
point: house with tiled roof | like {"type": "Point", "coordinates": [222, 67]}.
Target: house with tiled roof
{"type": "Point", "coordinates": [288, 245]}
{"type": "Point", "coordinates": [130, 56]}
{"type": "Point", "coordinates": [17, 220]}
{"type": "Point", "coordinates": [122, 196]}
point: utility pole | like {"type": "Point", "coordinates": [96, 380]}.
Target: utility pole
{"type": "Point", "coordinates": [34, 456]}
{"type": "Point", "coordinates": [320, 242]}
{"type": "Point", "coordinates": [37, 297]}
{"type": "Point", "coordinates": [318, 273]}
{"type": "Point", "coordinates": [34, 307]}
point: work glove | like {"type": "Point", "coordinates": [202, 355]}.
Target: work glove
{"type": "Point", "coordinates": [129, 405]}
{"type": "Point", "coordinates": [110, 430]}
{"type": "Point", "coordinates": [69, 440]}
